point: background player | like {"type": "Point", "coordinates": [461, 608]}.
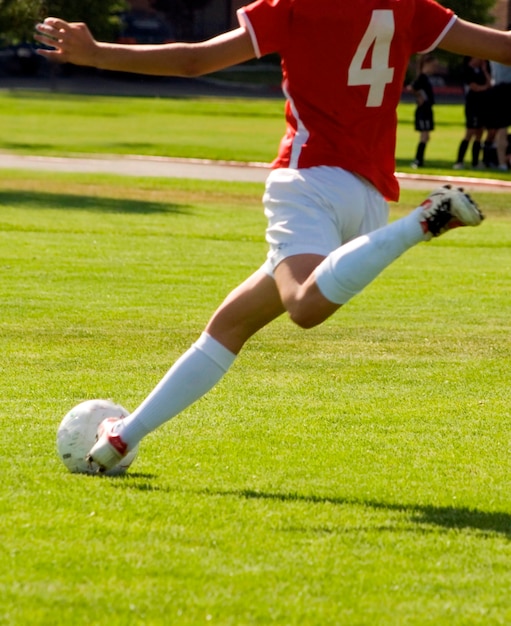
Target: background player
{"type": "Point", "coordinates": [477, 82]}
{"type": "Point", "coordinates": [343, 69]}
{"type": "Point", "coordinates": [424, 118]}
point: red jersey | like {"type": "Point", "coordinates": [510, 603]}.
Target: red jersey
{"type": "Point", "coordinates": [343, 67]}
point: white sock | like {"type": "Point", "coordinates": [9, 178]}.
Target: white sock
{"type": "Point", "coordinates": [191, 376]}
{"type": "Point", "coordinates": [350, 268]}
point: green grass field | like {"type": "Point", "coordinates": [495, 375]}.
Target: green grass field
{"type": "Point", "coordinates": [211, 128]}
{"type": "Point", "coordinates": [356, 474]}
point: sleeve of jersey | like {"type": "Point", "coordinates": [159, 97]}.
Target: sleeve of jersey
{"type": "Point", "coordinates": [267, 22]}
{"type": "Point", "coordinates": [430, 25]}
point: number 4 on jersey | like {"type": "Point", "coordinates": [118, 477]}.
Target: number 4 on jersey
{"type": "Point", "coordinates": [378, 36]}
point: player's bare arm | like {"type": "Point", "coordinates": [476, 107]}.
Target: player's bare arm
{"type": "Point", "coordinates": [72, 42]}
{"type": "Point", "coordinates": [468, 39]}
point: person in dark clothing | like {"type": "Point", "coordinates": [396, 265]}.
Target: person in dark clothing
{"type": "Point", "coordinates": [425, 98]}
{"type": "Point", "coordinates": [500, 111]}
{"type": "Point", "coordinates": [477, 81]}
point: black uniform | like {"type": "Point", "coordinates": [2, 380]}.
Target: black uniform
{"type": "Point", "coordinates": [424, 112]}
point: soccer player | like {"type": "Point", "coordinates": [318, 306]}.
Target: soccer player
{"type": "Point", "coordinates": [477, 81]}
{"type": "Point", "coordinates": [343, 66]}
{"type": "Point", "coordinates": [424, 95]}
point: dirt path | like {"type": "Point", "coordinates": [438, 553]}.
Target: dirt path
{"type": "Point", "coordinates": [212, 170]}
{"type": "Point", "coordinates": [141, 166]}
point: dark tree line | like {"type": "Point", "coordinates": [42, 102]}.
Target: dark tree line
{"type": "Point", "coordinates": [17, 17]}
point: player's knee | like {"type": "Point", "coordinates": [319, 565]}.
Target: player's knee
{"type": "Point", "coordinates": [307, 316]}
{"type": "Point", "coordinates": [308, 312]}
{"type": "Point", "coordinates": [304, 319]}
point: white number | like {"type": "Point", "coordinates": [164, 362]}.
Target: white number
{"type": "Point", "coordinates": [378, 36]}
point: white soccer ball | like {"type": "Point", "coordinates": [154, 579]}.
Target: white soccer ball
{"type": "Point", "coordinates": [77, 434]}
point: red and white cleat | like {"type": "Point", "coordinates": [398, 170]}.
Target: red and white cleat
{"type": "Point", "coordinates": [109, 448]}
{"type": "Point", "coordinates": [447, 208]}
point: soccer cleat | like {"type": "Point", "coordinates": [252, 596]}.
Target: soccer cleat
{"type": "Point", "coordinates": [109, 448]}
{"type": "Point", "coordinates": [448, 208]}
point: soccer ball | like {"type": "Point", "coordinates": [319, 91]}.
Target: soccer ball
{"type": "Point", "coordinates": [77, 434]}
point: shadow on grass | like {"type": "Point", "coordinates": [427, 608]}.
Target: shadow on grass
{"type": "Point", "coordinates": [66, 202]}
{"type": "Point", "coordinates": [431, 164]}
{"type": "Point", "coordinates": [459, 518]}
{"type": "Point", "coordinates": [129, 478]}
{"type": "Point", "coordinates": [444, 167]}
{"type": "Point", "coordinates": [447, 517]}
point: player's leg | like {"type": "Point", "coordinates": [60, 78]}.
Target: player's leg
{"type": "Point", "coordinates": [421, 149]}
{"type": "Point", "coordinates": [490, 157]}
{"type": "Point", "coordinates": [346, 271]}
{"type": "Point", "coordinates": [501, 141]}
{"type": "Point", "coordinates": [471, 125]}
{"type": "Point", "coordinates": [350, 268]}
{"type": "Point", "coordinates": [310, 213]}
{"type": "Point", "coordinates": [476, 149]}
{"type": "Point", "coordinates": [302, 299]}
{"type": "Point", "coordinates": [248, 308]}
{"type": "Point", "coordinates": [462, 150]}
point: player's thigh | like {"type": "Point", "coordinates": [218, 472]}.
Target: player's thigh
{"type": "Point", "coordinates": [301, 296]}
{"type": "Point", "coordinates": [293, 273]}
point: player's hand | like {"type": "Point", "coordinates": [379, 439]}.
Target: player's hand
{"type": "Point", "coordinates": [71, 42]}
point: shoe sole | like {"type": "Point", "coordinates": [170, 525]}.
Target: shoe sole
{"type": "Point", "coordinates": [465, 210]}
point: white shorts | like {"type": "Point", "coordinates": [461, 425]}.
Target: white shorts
{"type": "Point", "coordinates": [316, 210]}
